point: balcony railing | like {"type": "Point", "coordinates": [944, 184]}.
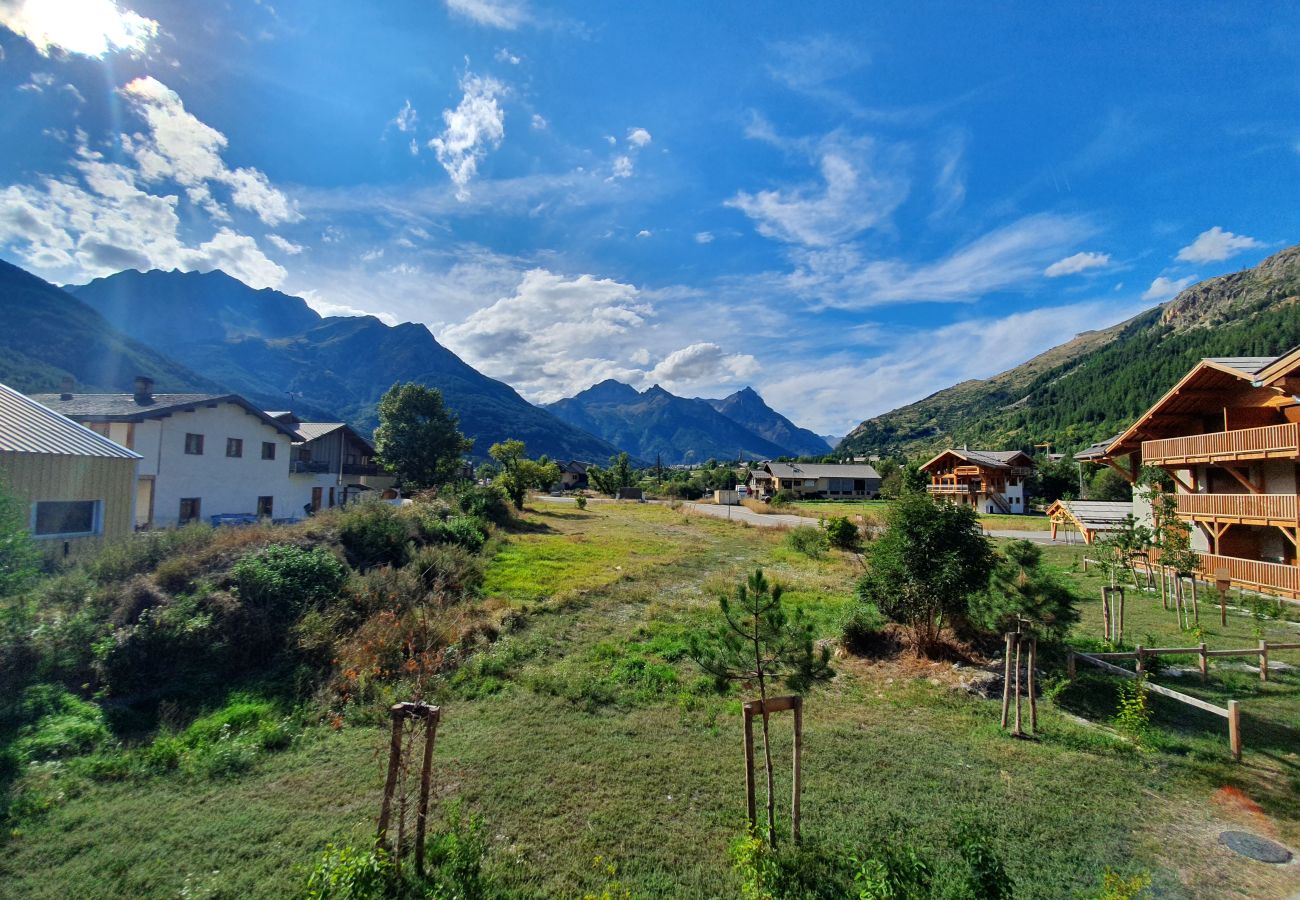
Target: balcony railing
{"type": "Point", "coordinates": [1269, 442]}
{"type": "Point", "coordinates": [308, 467]}
{"type": "Point", "coordinates": [362, 469]}
{"type": "Point", "coordinates": [1269, 578]}
{"type": "Point", "coordinates": [951, 488]}
{"type": "Point", "coordinates": [1264, 508]}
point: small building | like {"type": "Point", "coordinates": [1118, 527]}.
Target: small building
{"type": "Point", "coordinates": [204, 455]}
{"type": "Point", "coordinates": [573, 475]}
{"type": "Point", "coordinates": [77, 487]}
{"type": "Point", "coordinates": [1091, 518]}
{"type": "Point", "coordinates": [331, 464]}
{"type": "Point", "coordinates": [831, 481]}
{"type": "Point", "coordinates": [992, 481]}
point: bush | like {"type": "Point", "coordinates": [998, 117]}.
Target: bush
{"type": "Point", "coordinates": [345, 873]}
{"type": "Point", "coordinates": [581, 502]}
{"type": "Point", "coordinates": [466, 531]}
{"type": "Point", "coordinates": [62, 725]}
{"type": "Point", "coordinates": [286, 579]}
{"type": "Point", "coordinates": [782, 498]}
{"type": "Point", "coordinates": [842, 533]}
{"type": "Point", "coordinates": [376, 534]}
{"type": "Point", "coordinates": [119, 561]}
{"type": "Point", "coordinates": [485, 502]}
{"type": "Point", "coordinates": [808, 540]}
{"type": "Point", "coordinates": [450, 570]}
{"type": "Point", "coordinates": [862, 622]}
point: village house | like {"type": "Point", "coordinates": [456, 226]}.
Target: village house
{"type": "Point", "coordinates": [76, 487]}
{"type": "Point", "coordinates": [814, 481]}
{"type": "Point", "coordinates": [573, 475]}
{"type": "Point", "coordinates": [203, 455]}
{"type": "Point", "coordinates": [1228, 435]}
{"type": "Point", "coordinates": [331, 464]}
{"type": "Point", "coordinates": [992, 481]}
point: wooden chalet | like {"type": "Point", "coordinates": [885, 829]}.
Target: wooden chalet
{"type": "Point", "coordinates": [993, 481]}
{"type": "Point", "coordinates": [1228, 434]}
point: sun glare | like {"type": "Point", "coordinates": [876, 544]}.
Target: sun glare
{"type": "Point", "coordinates": [86, 27]}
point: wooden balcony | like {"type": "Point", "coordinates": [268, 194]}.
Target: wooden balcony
{"type": "Point", "coordinates": [1240, 509]}
{"type": "Point", "coordinates": [1253, 575]}
{"type": "Point", "coordinates": [952, 488]}
{"type": "Point", "coordinates": [1269, 442]}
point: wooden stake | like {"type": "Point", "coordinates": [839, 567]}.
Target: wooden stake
{"type": "Point", "coordinates": [431, 716]}
{"type": "Point", "coordinates": [749, 770]}
{"type": "Point", "coordinates": [1033, 701]}
{"type": "Point", "coordinates": [1205, 663]}
{"type": "Point", "coordinates": [1263, 660]}
{"type": "Point", "coordinates": [1234, 728]}
{"type": "Point", "coordinates": [1105, 614]}
{"type": "Point", "coordinates": [1223, 584]}
{"type": "Point", "coordinates": [1141, 662]}
{"type": "Point", "coordinates": [1070, 666]}
{"type": "Point", "coordinates": [1006, 680]}
{"type": "Point", "coordinates": [1016, 731]}
{"type": "Point", "coordinates": [1196, 607]}
{"type": "Point", "coordinates": [1119, 635]}
{"type": "Point", "coordinates": [394, 764]}
{"type": "Point", "coordinates": [797, 789]}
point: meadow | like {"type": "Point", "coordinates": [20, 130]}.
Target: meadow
{"type": "Point", "coordinates": [585, 738]}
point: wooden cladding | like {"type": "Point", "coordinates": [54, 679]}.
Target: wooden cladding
{"type": "Point", "coordinates": [1270, 442]}
{"type": "Point", "coordinates": [1244, 508]}
{"type": "Point", "coordinates": [1271, 578]}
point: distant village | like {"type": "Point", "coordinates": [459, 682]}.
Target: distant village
{"type": "Point", "coordinates": [93, 468]}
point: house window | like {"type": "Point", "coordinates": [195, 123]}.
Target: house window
{"type": "Point", "coordinates": [189, 510]}
{"type": "Point", "coordinates": [268, 449]}
{"type": "Point", "coordinates": [264, 505]}
{"type": "Point", "coordinates": [234, 447]}
{"type": "Point", "coordinates": [65, 518]}
{"type": "Point", "coordinates": [194, 444]}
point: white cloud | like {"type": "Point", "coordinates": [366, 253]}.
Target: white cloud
{"type": "Point", "coordinates": [285, 245]}
{"type": "Point", "coordinates": [702, 362]}
{"type": "Point", "coordinates": [1216, 245]}
{"type": "Point", "coordinates": [611, 140]}
{"type": "Point", "coordinates": [505, 56]}
{"type": "Point", "coordinates": [643, 233]}
{"type": "Point", "coordinates": [854, 195]}
{"type": "Point", "coordinates": [474, 127]}
{"type": "Point", "coordinates": [505, 14]}
{"type": "Point", "coordinates": [85, 27]}
{"type": "Point", "coordinates": [638, 137]}
{"type": "Point", "coordinates": [704, 237]}
{"type": "Point", "coordinates": [406, 118]}
{"type": "Point", "coordinates": [37, 83]}
{"type": "Point", "coordinates": [1163, 288]}
{"type": "Point", "coordinates": [622, 167]}
{"type": "Point", "coordinates": [1079, 262]}
{"type": "Point", "coordinates": [1005, 258]}
{"type": "Point", "coordinates": [539, 123]}
{"type": "Point", "coordinates": [414, 147]}
{"type": "Point", "coordinates": [181, 148]}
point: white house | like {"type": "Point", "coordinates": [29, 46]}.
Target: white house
{"type": "Point", "coordinates": [204, 455]}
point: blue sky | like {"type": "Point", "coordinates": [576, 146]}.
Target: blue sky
{"type": "Point", "coordinates": [848, 206]}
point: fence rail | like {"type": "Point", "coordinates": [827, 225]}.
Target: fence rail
{"type": "Point", "coordinates": [1265, 507]}
{"type": "Point", "coordinates": [1252, 573]}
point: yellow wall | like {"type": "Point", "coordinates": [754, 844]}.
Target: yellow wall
{"type": "Point", "coordinates": [30, 477]}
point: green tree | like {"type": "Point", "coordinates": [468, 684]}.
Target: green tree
{"type": "Point", "coordinates": [913, 479]}
{"type": "Point", "coordinates": [1107, 484]}
{"type": "Point", "coordinates": [1056, 478]}
{"type": "Point", "coordinates": [618, 475]}
{"type": "Point", "coordinates": [19, 558]}
{"type": "Point", "coordinates": [418, 437]}
{"type": "Point", "coordinates": [1023, 591]}
{"type": "Point", "coordinates": [924, 568]}
{"type": "Point", "coordinates": [519, 474]}
{"type": "Point", "coordinates": [757, 642]}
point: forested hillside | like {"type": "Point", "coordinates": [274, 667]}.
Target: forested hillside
{"type": "Point", "coordinates": [1097, 384]}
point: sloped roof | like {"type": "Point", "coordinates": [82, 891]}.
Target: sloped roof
{"type": "Point", "coordinates": [1094, 515]}
{"type": "Point", "coordinates": [992, 459]}
{"type": "Point", "coordinates": [1247, 365]}
{"type": "Point", "coordinates": [29, 427]}
{"type": "Point", "coordinates": [1097, 450]}
{"type": "Point", "coordinates": [820, 470]}
{"type": "Point", "coordinates": [310, 431]}
{"type": "Point", "coordinates": [127, 408]}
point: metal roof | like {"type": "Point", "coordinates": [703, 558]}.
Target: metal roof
{"type": "Point", "coordinates": [1250, 365]}
{"type": "Point", "coordinates": [131, 408]}
{"type": "Point", "coordinates": [28, 427]}
{"type": "Point", "coordinates": [820, 470]}
{"type": "Point", "coordinates": [1097, 450]}
{"type": "Point", "coordinates": [310, 431]}
{"type": "Point", "coordinates": [1097, 515]}
{"type": "Point", "coordinates": [993, 459]}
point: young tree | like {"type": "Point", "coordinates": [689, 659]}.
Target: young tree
{"type": "Point", "coordinates": [519, 474]}
{"type": "Point", "coordinates": [418, 436]}
{"type": "Point", "coordinates": [923, 570]}
{"type": "Point", "coordinates": [618, 475]}
{"type": "Point", "coordinates": [758, 642]}
{"type": "Point", "coordinates": [19, 558]}
{"type": "Point", "coordinates": [1022, 592]}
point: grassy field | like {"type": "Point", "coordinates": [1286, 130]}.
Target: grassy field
{"type": "Point", "coordinates": [586, 732]}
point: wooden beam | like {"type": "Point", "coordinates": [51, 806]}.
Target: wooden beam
{"type": "Point", "coordinates": [1245, 481]}
{"type": "Point", "coordinates": [1173, 473]}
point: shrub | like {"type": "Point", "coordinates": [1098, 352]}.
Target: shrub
{"type": "Point", "coordinates": [450, 571]}
{"type": "Point", "coordinates": [376, 534]}
{"type": "Point", "coordinates": [861, 623]}
{"type": "Point", "coordinates": [466, 531]}
{"type": "Point", "coordinates": [808, 540]}
{"type": "Point", "coordinates": [454, 857]}
{"type": "Point", "coordinates": [842, 533]}
{"type": "Point", "coordinates": [345, 873]}
{"type": "Point", "coordinates": [63, 726]}
{"type": "Point", "coordinates": [485, 502]}
{"type": "Point", "coordinates": [581, 502]}
{"type": "Point", "coordinates": [782, 498]}
{"type": "Point", "coordinates": [119, 561]}
{"type": "Point", "coordinates": [286, 579]}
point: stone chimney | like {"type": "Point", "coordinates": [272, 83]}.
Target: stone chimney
{"type": "Point", "coordinates": [143, 390]}
{"type": "Point", "coordinates": [66, 386]}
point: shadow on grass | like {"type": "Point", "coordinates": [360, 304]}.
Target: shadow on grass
{"type": "Point", "coordinates": [531, 526]}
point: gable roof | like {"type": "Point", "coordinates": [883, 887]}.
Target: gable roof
{"type": "Point", "coordinates": [26, 426]}
{"type": "Point", "coordinates": [820, 470]}
{"type": "Point", "coordinates": [991, 459]}
{"type": "Point", "coordinates": [1093, 515]}
{"type": "Point", "coordinates": [126, 408]}
{"type": "Point", "coordinates": [310, 431]}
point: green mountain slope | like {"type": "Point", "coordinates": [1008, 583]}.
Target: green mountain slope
{"type": "Point", "coordinates": [49, 335]}
{"type": "Point", "coordinates": [1096, 385]}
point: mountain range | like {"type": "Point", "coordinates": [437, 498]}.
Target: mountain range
{"type": "Point", "coordinates": [1096, 384]}
{"type": "Point", "coordinates": [657, 425]}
